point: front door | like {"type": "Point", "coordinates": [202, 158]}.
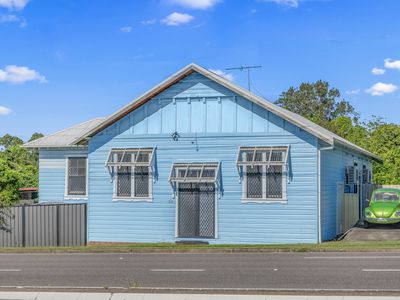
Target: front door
{"type": "Point", "coordinates": [196, 210]}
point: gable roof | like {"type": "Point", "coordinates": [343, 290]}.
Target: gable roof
{"type": "Point", "coordinates": [66, 137]}
{"type": "Point", "coordinates": [303, 123]}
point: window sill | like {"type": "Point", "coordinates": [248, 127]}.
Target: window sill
{"type": "Point", "coordinates": [266, 201]}
{"type": "Point", "coordinates": [130, 199]}
{"type": "Point", "coordinates": [76, 197]}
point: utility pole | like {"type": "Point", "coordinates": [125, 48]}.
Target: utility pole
{"type": "Point", "coordinates": [247, 68]}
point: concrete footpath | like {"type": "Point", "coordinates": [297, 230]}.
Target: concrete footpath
{"type": "Point", "coordinates": [138, 296]}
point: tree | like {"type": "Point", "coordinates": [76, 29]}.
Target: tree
{"type": "Point", "coordinates": [321, 104]}
{"type": "Point", "coordinates": [317, 102]}
{"type": "Point", "coordinates": [384, 141]}
{"type": "Point", "coordinates": [18, 168]}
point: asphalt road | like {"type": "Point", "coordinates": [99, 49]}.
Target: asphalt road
{"type": "Point", "coordinates": [277, 271]}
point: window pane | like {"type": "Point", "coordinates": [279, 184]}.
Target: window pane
{"type": "Point", "coordinates": [274, 182]}
{"type": "Point", "coordinates": [77, 176]}
{"type": "Point", "coordinates": [142, 182]}
{"type": "Point", "coordinates": [77, 185]}
{"type": "Point", "coordinates": [124, 182]}
{"type": "Point", "coordinates": [254, 182]}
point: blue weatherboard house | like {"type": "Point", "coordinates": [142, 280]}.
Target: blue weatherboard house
{"type": "Point", "coordinates": [200, 158]}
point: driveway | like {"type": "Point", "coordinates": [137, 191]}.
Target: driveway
{"type": "Point", "coordinates": [374, 233]}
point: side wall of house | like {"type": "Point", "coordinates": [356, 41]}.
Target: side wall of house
{"type": "Point", "coordinates": [52, 173]}
{"type": "Point", "coordinates": [211, 123]}
{"type": "Point", "coordinates": [333, 164]}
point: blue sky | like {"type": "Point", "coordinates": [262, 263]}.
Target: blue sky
{"type": "Point", "coordinates": [66, 61]}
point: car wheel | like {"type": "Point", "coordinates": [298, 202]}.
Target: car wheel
{"type": "Point", "coordinates": [366, 225]}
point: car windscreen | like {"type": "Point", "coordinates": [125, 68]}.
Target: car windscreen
{"type": "Point", "coordinates": [386, 196]}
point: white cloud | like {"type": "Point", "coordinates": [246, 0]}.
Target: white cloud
{"type": "Point", "coordinates": [221, 73]}
{"type": "Point", "coordinates": [16, 74]}
{"type": "Point", "coordinates": [392, 64]}
{"type": "Point", "coordinates": [196, 4]}
{"type": "Point", "coordinates": [353, 92]}
{"type": "Point", "coordinates": [4, 111]}
{"type": "Point", "coordinates": [8, 18]}
{"type": "Point", "coordinates": [126, 29]}
{"type": "Point", "coordinates": [149, 22]}
{"type": "Point", "coordinates": [290, 3]}
{"type": "Point", "coordinates": [13, 4]}
{"type": "Point", "coordinates": [378, 71]}
{"type": "Point", "coordinates": [176, 19]}
{"type": "Point", "coordinates": [12, 18]}
{"type": "Point", "coordinates": [380, 88]}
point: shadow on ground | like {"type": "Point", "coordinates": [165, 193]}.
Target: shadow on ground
{"type": "Point", "coordinates": [374, 233]}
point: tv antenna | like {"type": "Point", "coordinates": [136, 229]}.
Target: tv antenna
{"type": "Point", "coordinates": [246, 68]}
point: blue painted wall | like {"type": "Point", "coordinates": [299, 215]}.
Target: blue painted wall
{"type": "Point", "coordinates": [52, 172]}
{"type": "Point", "coordinates": [212, 123]}
{"type": "Point", "coordinates": [333, 164]}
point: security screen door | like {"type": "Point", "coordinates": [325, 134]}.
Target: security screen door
{"type": "Point", "coordinates": [196, 210]}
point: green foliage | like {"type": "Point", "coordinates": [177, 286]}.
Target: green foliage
{"type": "Point", "coordinates": [385, 141]}
{"type": "Point", "coordinates": [18, 168]}
{"type": "Point", "coordinates": [321, 104]}
{"type": "Point", "coordinates": [317, 102]}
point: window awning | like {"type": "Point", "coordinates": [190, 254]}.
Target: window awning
{"type": "Point", "coordinates": [259, 156]}
{"type": "Point", "coordinates": [194, 172]}
{"type": "Point", "coordinates": [130, 157]}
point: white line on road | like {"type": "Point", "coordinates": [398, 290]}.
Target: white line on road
{"type": "Point", "coordinates": [10, 270]}
{"type": "Point", "coordinates": [177, 270]}
{"type": "Point", "coordinates": [351, 257]}
{"type": "Point", "coordinates": [381, 270]}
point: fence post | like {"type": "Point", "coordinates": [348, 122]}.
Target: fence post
{"type": "Point", "coordinates": [23, 231]}
{"type": "Point", "coordinates": [58, 222]}
{"type": "Point", "coordinates": [86, 223]}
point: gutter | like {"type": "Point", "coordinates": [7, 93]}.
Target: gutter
{"type": "Point", "coordinates": [319, 188]}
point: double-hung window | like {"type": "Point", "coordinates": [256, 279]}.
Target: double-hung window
{"type": "Point", "coordinates": [131, 171]}
{"type": "Point", "coordinates": [76, 185]}
{"type": "Point", "coordinates": [264, 173]}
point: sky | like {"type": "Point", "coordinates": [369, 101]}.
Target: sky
{"type": "Point", "coordinates": [67, 61]}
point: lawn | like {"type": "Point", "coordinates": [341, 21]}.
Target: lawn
{"type": "Point", "coordinates": [173, 248]}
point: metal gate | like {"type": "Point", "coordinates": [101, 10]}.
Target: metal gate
{"type": "Point", "coordinates": [196, 210]}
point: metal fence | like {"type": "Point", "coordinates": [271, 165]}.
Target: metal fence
{"type": "Point", "coordinates": [44, 225]}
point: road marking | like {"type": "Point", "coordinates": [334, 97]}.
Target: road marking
{"type": "Point", "coordinates": [351, 257]}
{"type": "Point", "coordinates": [10, 270]}
{"type": "Point", "coordinates": [177, 270]}
{"type": "Point", "coordinates": [381, 270]}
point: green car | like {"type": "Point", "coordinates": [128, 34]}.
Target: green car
{"type": "Point", "coordinates": [384, 207]}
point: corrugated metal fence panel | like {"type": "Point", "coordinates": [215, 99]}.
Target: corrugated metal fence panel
{"type": "Point", "coordinates": [44, 225]}
{"type": "Point", "coordinates": [11, 233]}
{"type": "Point", "coordinates": [72, 219]}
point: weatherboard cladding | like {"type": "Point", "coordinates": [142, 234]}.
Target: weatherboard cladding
{"type": "Point", "coordinates": [52, 172]}
{"type": "Point", "coordinates": [212, 123]}
{"type": "Point", "coordinates": [333, 164]}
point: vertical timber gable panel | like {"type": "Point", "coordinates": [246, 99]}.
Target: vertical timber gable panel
{"type": "Point", "coordinates": [203, 107]}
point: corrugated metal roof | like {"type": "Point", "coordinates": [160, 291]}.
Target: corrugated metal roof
{"type": "Point", "coordinates": [307, 125]}
{"type": "Point", "coordinates": [66, 137]}
{"type": "Point", "coordinates": [75, 135]}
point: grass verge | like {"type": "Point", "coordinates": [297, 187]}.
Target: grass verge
{"type": "Point", "coordinates": [334, 246]}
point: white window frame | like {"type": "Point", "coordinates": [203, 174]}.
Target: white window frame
{"type": "Point", "coordinates": [76, 197]}
{"type": "Point", "coordinates": [242, 168]}
{"type": "Point", "coordinates": [114, 179]}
